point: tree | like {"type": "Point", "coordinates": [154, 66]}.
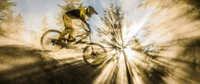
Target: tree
{"type": "Point", "coordinates": [189, 6]}
{"type": "Point", "coordinates": [45, 25]}
{"type": "Point", "coordinates": [111, 35]}
{"type": "Point", "coordinates": [6, 16]}
{"type": "Point", "coordinates": [112, 32]}
{"type": "Point", "coordinates": [5, 6]}
{"type": "Point", "coordinates": [178, 17]}
{"type": "Point", "coordinates": [19, 23]}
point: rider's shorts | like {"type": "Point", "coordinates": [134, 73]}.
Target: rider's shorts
{"type": "Point", "coordinates": [67, 21]}
{"type": "Point", "coordinates": [71, 24]}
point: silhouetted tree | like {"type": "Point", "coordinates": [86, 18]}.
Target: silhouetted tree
{"type": "Point", "coordinates": [19, 24]}
{"type": "Point", "coordinates": [45, 25]}
{"type": "Point", "coordinates": [187, 6]}
{"type": "Point", "coordinates": [177, 17]}
{"type": "Point", "coordinates": [111, 34]}
{"type": "Point", "coordinates": [5, 6]}
{"type": "Point", "coordinates": [6, 17]}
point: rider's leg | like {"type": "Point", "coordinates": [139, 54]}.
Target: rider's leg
{"type": "Point", "coordinates": [72, 35]}
{"type": "Point", "coordinates": [68, 25]}
{"type": "Point", "coordinates": [62, 35]}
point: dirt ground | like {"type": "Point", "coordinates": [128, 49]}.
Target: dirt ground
{"type": "Point", "coordinates": [21, 63]}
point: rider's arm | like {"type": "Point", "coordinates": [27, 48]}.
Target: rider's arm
{"type": "Point", "coordinates": [83, 17]}
{"type": "Point", "coordinates": [84, 26]}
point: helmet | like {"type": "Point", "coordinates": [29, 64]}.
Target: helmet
{"type": "Point", "coordinates": [91, 10]}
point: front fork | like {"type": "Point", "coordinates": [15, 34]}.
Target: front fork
{"type": "Point", "coordinates": [92, 53]}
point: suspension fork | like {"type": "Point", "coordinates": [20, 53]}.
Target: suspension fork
{"type": "Point", "coordinates": [90, 38]}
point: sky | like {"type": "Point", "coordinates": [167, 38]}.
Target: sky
{"type": "Point", "coordinates": [34, 11]}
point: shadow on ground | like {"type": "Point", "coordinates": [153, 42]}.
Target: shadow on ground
{"type": "Point", "coordinates": [20, 64]}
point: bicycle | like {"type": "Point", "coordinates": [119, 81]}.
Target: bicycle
{"type": "Point", "coordinates": [94, 54]}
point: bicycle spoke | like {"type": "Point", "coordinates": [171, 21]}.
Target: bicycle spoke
{"type": "Point", "coordinates": [46, 40]}
{"type": "Point", "coordinates": [94, 54]}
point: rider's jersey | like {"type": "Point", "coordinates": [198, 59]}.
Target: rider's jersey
{"type": "Point", "coordinates": [78, 13]}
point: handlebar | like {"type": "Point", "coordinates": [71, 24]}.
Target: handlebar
{"type": "Point", "coordinates": [89, 29]}
{"type": "Point", "coordinates": [88, 26]}
{"type": "Point", "coordinates": [85, 35]}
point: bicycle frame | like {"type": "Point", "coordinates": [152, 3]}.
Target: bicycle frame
{"type": "Point", "coordinates": [88, 34]}
{"type": "Point", "coordinates": [85, 35]}
{"type": "Point", "coordinates": [91, 50]}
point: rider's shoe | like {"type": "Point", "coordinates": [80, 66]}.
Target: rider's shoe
{"type": "Point", "coordinates": [64, 40]}
{"type": "Point", "coordinates": [53, 41]}
{"type": "Point", "coordinates": [60, 42]}
{"type": "Point", "coordinates": [70, 44]}
{"type": "Point", "coordinates": [74, 40]}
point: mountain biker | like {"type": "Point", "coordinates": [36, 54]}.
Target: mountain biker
{"type": "Point", "coordinates": [82, 14]}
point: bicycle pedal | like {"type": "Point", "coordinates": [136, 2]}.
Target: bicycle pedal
{"type": "Point", "coordinates": [84, 42]}
{"type": "Point", "coordinates": [71, 46]}
{"type": "Point", "coordinates": [64, 40]}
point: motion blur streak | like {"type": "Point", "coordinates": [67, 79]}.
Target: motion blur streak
{"type": "Point", "coordinates": [156, 43]}
{"type": "Point", "coordinates": [163, 47]}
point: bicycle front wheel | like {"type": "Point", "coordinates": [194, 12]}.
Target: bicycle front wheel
{"type": "Point", "coordinates": [48, 41]}
{"type": "Point", "coordinates": [94, 54]}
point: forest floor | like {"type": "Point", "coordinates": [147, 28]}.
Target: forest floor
{"type": "Point", "coordinates": [21, 63]}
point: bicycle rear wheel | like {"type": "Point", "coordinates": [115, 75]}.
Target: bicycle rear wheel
{"type": "Point", "coordinates": [48, 41]}
{"type": "Point", "coordinates": [94, 54]}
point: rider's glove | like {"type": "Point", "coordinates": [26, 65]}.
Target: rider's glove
{"type": "Point", "coordinates": [88, 25]}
